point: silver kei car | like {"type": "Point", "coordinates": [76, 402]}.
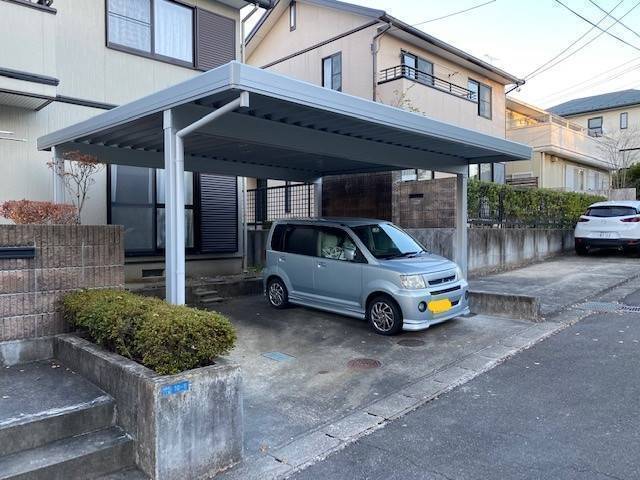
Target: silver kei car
{"type": "Point", "coordinates": [362, 268]}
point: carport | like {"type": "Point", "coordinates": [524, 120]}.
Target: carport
{"type": "Point", "coordinates": [243, 121]}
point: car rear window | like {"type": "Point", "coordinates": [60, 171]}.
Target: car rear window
{"type": "Point", "coordinates": [277, 238]}
{"type": "Point", "coordinates": [611, 211]}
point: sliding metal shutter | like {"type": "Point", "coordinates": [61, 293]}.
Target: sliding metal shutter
{"type": "Point", "coordinates": [218, 214]}
{"type": "Point", "coordinates": [215, 40]}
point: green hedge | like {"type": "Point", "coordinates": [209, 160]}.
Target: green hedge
{"type": "Point", "coordinates": [535, 207]}
{"type": "Point", "coordinates": [166, 338]}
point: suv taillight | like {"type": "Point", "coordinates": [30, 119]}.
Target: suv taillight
{"type": "Point", "coordinates": [630, 220]}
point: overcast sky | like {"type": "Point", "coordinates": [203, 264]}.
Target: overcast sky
{"type": "Point", "coordinates": [521, 35]}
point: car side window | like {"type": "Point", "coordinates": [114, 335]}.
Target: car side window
{"type": "Point", "coordinates": [301, 240]}
{"type": "Point", "coordinates": [336, 244]}
{"type": "Point", "coordinates": [277, 238]}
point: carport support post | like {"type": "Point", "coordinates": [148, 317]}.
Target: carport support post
{"type": "Point", "coordinates": [170, 199]}
{"type": "Point", "coordinates": [461, 222]}
{"type": "Point", "coordinates": [57, 170]}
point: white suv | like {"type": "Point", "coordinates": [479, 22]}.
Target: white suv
{"type": "Point", "coordinates": [613, 224]}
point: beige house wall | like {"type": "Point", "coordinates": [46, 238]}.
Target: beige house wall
{"type": "Point", "coordinates": [318, 24]}
{"type": "Point", "coordinates": [611, 119]}
{"type": "Point", "coordinates": [435, 103]}
{"type": "Point", "coordinates": [71, 46]}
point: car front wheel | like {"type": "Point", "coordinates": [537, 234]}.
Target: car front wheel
{"type": "Point", "coordinates": [277, 293]}
{"type": "Point", "coordinates": [384, 315]}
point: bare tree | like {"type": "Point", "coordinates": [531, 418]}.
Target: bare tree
{"type": "Point", "coordinates": [402, 100]}
{"type": "Point", "coordinates": [618, 150]}
{"type": "Point", "coordinates": [78, 175]}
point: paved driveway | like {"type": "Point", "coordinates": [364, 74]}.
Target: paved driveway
{"type": "Point", "coordinates": [300, 381]}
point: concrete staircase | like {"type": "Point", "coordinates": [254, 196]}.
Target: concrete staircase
{"type": "Point", "coordinates": [55, 425]}
{"type": "Point", "coordinates": [206, 296]}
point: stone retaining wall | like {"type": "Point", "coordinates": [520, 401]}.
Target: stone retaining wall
{"type": "Point", "coordinates": [67, 257]}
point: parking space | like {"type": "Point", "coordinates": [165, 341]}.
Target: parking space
{"type": "Point", "coordinates": [303, 368]}
{"type": "Point", "coordinates": [314, 381]}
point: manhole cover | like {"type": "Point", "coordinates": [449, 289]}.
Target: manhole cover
{"type": "Point", "coordinates": [411, 342]}
{"type": "Point", "coordinates": [363, 363]}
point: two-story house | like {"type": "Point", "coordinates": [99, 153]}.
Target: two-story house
{"type": "Point", "coordinates": [67, 60]}
{"type": "Point", "coordinates": [565, 156]}
{"type": "Point", "coordinates": [367, 53]}
{"type": "Point", "coordinates": [615, 115]}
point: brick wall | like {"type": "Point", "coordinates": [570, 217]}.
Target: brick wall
{"type": "Point", "coordinates": [425, 204]}
{"type": "Point", "coordinates": [364, 196]}
{"type": "Point", "coordinates": [67, 257]}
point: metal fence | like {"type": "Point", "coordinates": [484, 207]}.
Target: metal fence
{"type": "Point", "coordinates": [405, 71]}
{"type": "Point", "coordinates": [265, 205]}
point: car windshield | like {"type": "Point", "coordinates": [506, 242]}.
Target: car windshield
{"type": "Point", "coordinates": [611, 211]}
{"type": "Point", "coordinates": [384, 240]}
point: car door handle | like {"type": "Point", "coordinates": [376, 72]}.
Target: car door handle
{"type": "Point", "coordinates": [322, 264]}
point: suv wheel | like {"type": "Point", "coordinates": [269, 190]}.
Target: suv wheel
{"type": "Point", "coordinates": [277, 293]}
{"type": "Point", "coordinates": [384, 315]}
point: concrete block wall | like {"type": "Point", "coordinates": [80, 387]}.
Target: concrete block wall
{"type": "Point", "coordinates": [67, 257]}
{"type": "Point", "coordinates": [492, 249]}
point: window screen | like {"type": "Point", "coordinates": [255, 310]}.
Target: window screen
{"type": "Point", "coordinates": [129, 23]}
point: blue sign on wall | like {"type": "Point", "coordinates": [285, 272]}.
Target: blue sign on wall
{"type": "Point", "coordinates": [175, 388]}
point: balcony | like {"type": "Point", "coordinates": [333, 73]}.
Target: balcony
{"type": "Point", "coordinates": [557, 136]}
{"type": "Point", "coordinates": [410, 73]}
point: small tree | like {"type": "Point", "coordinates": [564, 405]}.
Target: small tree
{"type": "Point", "coordinates": [617, 149]}
{"type": "Point", "coordinates": [78, 176]}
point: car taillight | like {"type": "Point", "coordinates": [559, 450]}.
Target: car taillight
{"type": "Point", "coordinates": [582, 219]}
{"type": "Point", "coordinates": [630, 220]}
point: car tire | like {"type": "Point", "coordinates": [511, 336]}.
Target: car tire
{"type": "Point", "coordinates": [277, 293]}
{"type": "Point", "coordinates": [581, 250]}
{"type": "Point", "coordinates": [384, 315]}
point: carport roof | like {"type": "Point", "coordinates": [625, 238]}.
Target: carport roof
{"type": "Point", "coordinates": [292, 130]}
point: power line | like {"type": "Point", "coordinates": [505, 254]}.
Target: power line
{"type": "Point", "coordinates": [598, 26]}
{"type": "Point", "coordinates": [454, 13]}
{"type": "Point", "coordinates": [617, 20]}
{"type": "Point", "coordinates": [573, 43]}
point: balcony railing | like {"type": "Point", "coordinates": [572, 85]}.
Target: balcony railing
{"type": "Point", "coordinates": [410, 73]}
{"type": "Point", "coordinates": [532, 121]}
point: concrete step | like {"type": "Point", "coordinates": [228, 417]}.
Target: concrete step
{"type": "Point", "coordinates": [205, 292]}
{"type": "Point", "coordinates": [38, 429]}
{"type": "Point", "coordinates": [126, 474]}
{"type": "Point", "coordinates": [211, 299]}
{"type": "Point", "coordinates": [83, 457]}
{"type": "Point", "coordinates": [44, 401]}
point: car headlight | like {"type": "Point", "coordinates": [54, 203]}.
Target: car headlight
{"type": "Point", "coordinates": [459, 275]}
{"type": "Point", "coordinates": [412, 282]}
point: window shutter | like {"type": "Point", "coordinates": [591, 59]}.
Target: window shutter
{"type": "Point", "coordinates": [218, 214]}
{"type": "Point", "coordinates": [215, 40]}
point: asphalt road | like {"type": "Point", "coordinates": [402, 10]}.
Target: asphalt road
{"type": "Point", "coordinates": [568, 408]}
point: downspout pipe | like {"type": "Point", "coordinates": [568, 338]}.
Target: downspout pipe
{"type": "Point", "coordinates": [375, 46]}
{"type": "Point", "coordinates": [179, 246]}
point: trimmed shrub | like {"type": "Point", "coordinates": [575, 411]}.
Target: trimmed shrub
{"type": "Point", "coordinates": [166, 338]}
{"type": "Point", "coordinates": [495, 203]}
{"type": "Point", "coordinates": [41, 213]}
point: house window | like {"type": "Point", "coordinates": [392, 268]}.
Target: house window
{"type": "Point", "coordinates": [157, 28]}
{"type": "Point", "coordinates": [473, 171]}
{"type": "Point", "coordinates": [416, 174]}
{"type": "Point", "coordinates": [332, 72]}
{"type": "Point", "coordinates": [624, 120]}
{"type": "Point", "coordinates": [137, 202]}
{"type": "Point", "coordinates": [481, 94]}
{"type": "Point", "coordinates": [293, 16]}
{"type": "Point", "coordinates": [417, 68]}
{"type": "Point", "coordinates": [595, 126]}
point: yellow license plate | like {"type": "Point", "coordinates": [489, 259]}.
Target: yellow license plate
{"type": "Point", "coordinates": [439, 306]}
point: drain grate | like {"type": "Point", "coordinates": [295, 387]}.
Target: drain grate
{"type": "Point", "coordinates": [279, 356]}
{"type": "Point", "coordinates": [608, 307]}
{"type": "Point", "coordinates": [363, 364]}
